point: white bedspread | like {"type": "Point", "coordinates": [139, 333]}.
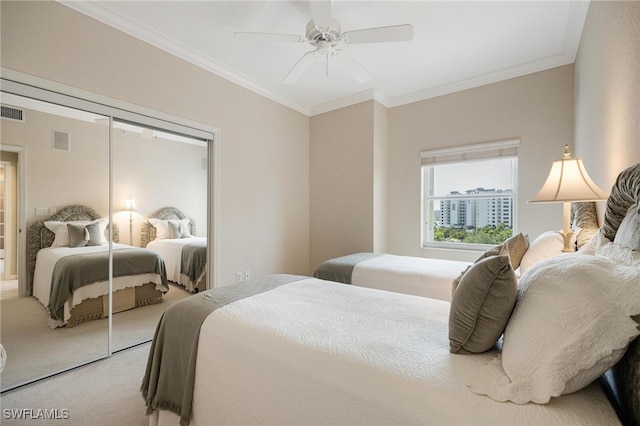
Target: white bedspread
{"type": "Point", "coordinates": [409, 275]}
{"type": "Point", "coordinates": [171, 252]}
{"type": "Point", "coordinates": [316, 352]}
{"type": "Point", "coordinates": [45, 262]}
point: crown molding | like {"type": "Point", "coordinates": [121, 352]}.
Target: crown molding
{"type": "Point", "coordinates": [578, 10]}
{"type": "Point", "coordinates": [142, 32]}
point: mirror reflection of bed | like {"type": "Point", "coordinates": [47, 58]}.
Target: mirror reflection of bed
{"type": "Point", "coordinates": [81, 175]}
{"type": "Point", "coordinates": [172, 234]}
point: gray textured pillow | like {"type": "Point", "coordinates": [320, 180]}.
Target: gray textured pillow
{"type": "Point", "coordinates": [77, 235]}
{"type": "Point", "coordinates": [174, 229]}
{"type": "Point", "coordinates": [481, 305]}
{"type": "Point", "coordinates": [628, 234]}
{"type": "Point", "coordinates": [95, 239]}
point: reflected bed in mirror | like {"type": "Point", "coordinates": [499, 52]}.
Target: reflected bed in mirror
{"type": "Point", "coordinates": [172, 234]}
{"type": "Point", "coordinates": [68, 268]}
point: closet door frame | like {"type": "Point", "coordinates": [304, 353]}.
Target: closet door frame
{"type": "Point", "coordinates": [21, 84]}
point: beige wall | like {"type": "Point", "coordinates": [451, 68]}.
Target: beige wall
{"type": "Point", "coordinates": [537, 109]}
{"type": "Point", "coordinates": [264, 150]}
{"type": "Point", "coordinates": [342, 182]}
{"type": "Point", "coordinates": [295, 191]}
{"type": "Point", "coordinates": [607, 98]}
{"type": "Point", "coordinates": [380, 176]}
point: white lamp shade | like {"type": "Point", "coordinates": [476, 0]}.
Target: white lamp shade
{"type": "Point", "coordinates": [568, 181]}
{"type": "Point", "coordinates": [130, 205]}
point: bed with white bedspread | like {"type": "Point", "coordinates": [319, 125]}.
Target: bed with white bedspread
{"type": "Point", "coordinates": [68, 268]}
{"type": "Point", "coordinates": [299, 350]}
{"type": "Point", "coordinates": [169, 232]}
{"type": "Point", "coordinates": [403, 274]}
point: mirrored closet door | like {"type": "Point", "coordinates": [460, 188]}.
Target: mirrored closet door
{"type": "Point", "coordinates": [63, 157]}
{"type": "Point", "coordinates": [106, 195]}
{"type": "Point", "coordinates": [160, 207]}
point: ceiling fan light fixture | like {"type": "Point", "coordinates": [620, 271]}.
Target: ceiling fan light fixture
{"type": "Point", "coordinates": [325, 34]}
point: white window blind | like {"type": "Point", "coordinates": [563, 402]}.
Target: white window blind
{"type": "Point", "coordinates": [461, 154]}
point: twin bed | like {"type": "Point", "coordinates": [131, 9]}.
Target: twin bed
{"type": "Point", "coordinates": [68, 264]}
{"type": "Point", "coordinates": [169, 232]}
{"type": "Point", "coordinates": [298, 350]}
{"type": "Point", "coordinates": [68, 268]}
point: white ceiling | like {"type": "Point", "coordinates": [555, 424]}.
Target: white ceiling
{"type": "Point", "coordinates": [457, 44]}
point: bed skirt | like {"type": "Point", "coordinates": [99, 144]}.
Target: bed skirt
{"type": "Point", "coordinates": [124, 299]}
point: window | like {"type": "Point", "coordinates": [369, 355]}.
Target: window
{"type": "Point", "coordinates": [469, 195]}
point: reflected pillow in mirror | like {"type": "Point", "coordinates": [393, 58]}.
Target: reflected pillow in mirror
{"type": "Point", "coordinates": [162, 228]}
{"type": "Point", "coordinates": [78, 235]}
{"type": "Point", "coordinates": [61, 231]}
{"type": "Point", "coordinates": [174, 229]}
{"type": "Point", "coordinates": [185, 229]}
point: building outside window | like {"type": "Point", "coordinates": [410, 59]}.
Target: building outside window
{"type": "Point", "coordinates": [469, 195]}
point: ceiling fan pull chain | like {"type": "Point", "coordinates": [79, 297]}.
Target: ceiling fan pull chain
{"type": "Point", "coordinates": [327, 67]}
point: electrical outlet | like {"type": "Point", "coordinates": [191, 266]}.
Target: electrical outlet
{"type": "Point", "coordinates": [247, 275]}
{"type": "Point", "coordinates": [42, 211]}
{"type": "Point", "coordinates": [239, 277]}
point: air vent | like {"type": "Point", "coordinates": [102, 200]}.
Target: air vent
{"type": "Point", "coordinates": [60, 141]}
{"type": "Point", "coordinates": [13, 114]}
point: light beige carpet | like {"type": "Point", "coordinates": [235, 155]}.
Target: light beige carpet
{"type": "Point", "coordinates": [34, 350]}
{"type": "Point", "coordinates": [105, 393]}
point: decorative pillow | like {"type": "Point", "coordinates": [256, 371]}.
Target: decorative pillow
{"type": "Point", "coordinates": [481, 305]}
{"type": "Point", "coordinates": [174, 229]}
{"type": "Point", "coordinates": [62, 232]}
{"type": "Point", "coordinates": [584, 221]}
{"type": "Point", "coordinates": [96, 234]}
{"type": "Point", "coordinates": [628, 234]}
{"type": "Point", "coordinates": [516, 247]}
{"type": "Point", "coordinates": [162, 228]}
{"type": "Point", "coordinates": [573, 321]}
{"type": "Point", "coordinates": [547, 244]}
{"type": "Point", "coordinates": [185, 229]}
{"type": "Point", "coordinates": [494, 251]}
{"type": "Point", "coordinates": [78, 235]}
{"type": "Point", "coordinates": [594, 243]}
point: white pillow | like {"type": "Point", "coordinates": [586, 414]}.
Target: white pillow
{"type": "Point", "coordinates": [162, 228]}
{"type": "Point", "coordinates": [163, 231]}
{"type": "Point", "coordinates": [597, 241]}
{"type": "Point", "coordinates": [571, 323]}
{"type": "Point", "coordinates": [62, 232]}
{"type": "Point", "coordinates": [185, 229]}
{"type": "Point", "coordinates": [547, 244]}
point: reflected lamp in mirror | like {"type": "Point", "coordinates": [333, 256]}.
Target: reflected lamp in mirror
{"type": "Point", "coordinates": [568, 181]}
{"type": "Point", "coordinates": [130, 206]}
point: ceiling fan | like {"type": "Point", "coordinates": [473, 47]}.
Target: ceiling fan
{"type": "Point", "coordinates": [325, 35]}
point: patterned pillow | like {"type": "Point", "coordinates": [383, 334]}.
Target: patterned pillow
{"type": "Point", "coordinates": [584, 222]}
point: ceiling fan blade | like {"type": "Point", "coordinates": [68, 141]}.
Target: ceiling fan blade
{"type": "Point", "coordinates": [355, 68]}
{"type": "Point", "coordinates": [321, 12]}
{"type": "Point", "coordinates": [379, 34]}
{"type": "Point", "coordinates": [269, 37]}
{"type": "Point", "coordinates": [296, 71]}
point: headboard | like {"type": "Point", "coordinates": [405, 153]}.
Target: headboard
{"type": "Point", "coordinates": [148, 231]}
{"type": "Point", "coordinates": [623, 380]}
{"type": "Point", "coordinates": [39, 236]}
